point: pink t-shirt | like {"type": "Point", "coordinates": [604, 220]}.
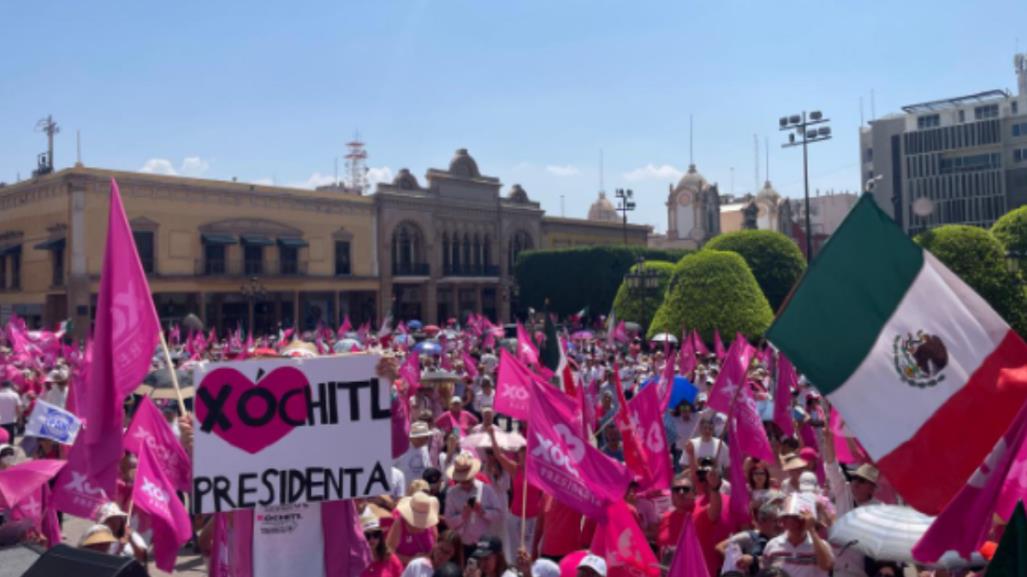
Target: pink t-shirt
{"type": "Point", "coordinates": [447, 422]}
{"type": "Point", "coordinates": [534, 505]}
{"type": "Point", "coordinates": [411, 544]}
{"type": "Point", "coordinates": [390, 567]}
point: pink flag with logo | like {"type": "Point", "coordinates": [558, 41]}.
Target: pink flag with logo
{"type": "Point", "coordinates": [732, 375]}
{"type": "Point", "coordinates": [513, 387]}
{"type": "Point", "coordinates": [752, 436]}
{"type": "Point", "coordinates": [124, 338]}
{"type": "Point", "coordinates": [527, 353]}
{"type": "Point", "coordinates": [470, 366]}
{"type": "Point", "coordinates": [562, 463]}
{"type": "Point", "coordinates": [149, 428]}
{"type": "Point", "coordinates": [786, 382]}
{"type": "Point", "coordinates": [688, 557]}
{"type": "Point", "coordinates": [994, 488]}
{"type": "Point", "coordinates": [686, 359]}
{"type": "Point", "coordinates": [410, 372]}
{"type": "Point", "coordinates": [646, 413]}
{"type": "Point", "coordinates": [19, 481]}
{"type": "Point", "coordinates": [78, 490]}
{"type": "Point", "coordinates": [154, 495]}
{"type": "Point", "coordinates": [620, 541]}
{"type": "Point", "coordinates": [718, 345]}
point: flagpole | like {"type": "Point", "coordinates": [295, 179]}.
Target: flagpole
{"type": "Point", "coordinates": [524, 502]}
{"type": "Point", "coordinates": [173, 372]}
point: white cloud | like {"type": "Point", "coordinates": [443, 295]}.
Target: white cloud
{"type": "Point", "coordinates": [378, 174]}
{"type": "Point", "coordinates": [194, 166]}
{"type": "Point", "coordinates": [317, 179]}
{"type": "Point", "coordinates": [263, 181]}
{"type": "Point", "coordinates": [562, 170]}
{"type": "Point", "coordinates": [654, 172]}
{"type": "Point", "coordinates": [159, 166]}
{"type": "Point", "coordinates": [191, 166]}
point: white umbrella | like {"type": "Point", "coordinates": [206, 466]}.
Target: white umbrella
{"type": "Point", "coordinates": [888, 533]}
{"type": "Point", "coordinates": [506, 441]}
{"type": "Point", "coordinates": [664, 337]}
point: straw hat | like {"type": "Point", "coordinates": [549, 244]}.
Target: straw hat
{"type": "Point", "coordinates": [464, 468]}
{"type": "Point", "coordinates": [420, 511]}
{"type": "Point", "coordinates": [420, 430]}
{"type": "Point", "coordinates": [97, 535]}
{"type": "Point", "coordinates": [793, 462]}
{"type": "Point", "coordinates": [108, 510]}
{"type": "Point", "coordinates": [867, 472]}
{"type": "Point", "coordinates": [369, 521]}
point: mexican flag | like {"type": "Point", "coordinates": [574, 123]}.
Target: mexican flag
{"type": "Point", "coordinates": [906, 352]}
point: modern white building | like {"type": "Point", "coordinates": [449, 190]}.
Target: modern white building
{"type": "Point", "coordinates": [956, 160]}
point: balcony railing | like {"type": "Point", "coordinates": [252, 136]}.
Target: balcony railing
{"type": "Point", "coordinates": [471, 270]}
{"type": "Point", "coordinates": [411, 269]}
{"type": "Point", "coordinates": [220, 267]}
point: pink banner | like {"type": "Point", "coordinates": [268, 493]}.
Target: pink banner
{"type": "Point", "coordinates": [19, 481]}
{"type": "Point", "coordinates": [410, 372]}
{"type": "Point", "coordinates": [513, 387]}
{"type": "Point", "coordinates": [78, 490]}
{"type": "Point", "coordinates": [527, 353]}
{"type": "Point", "coordinates": [622, 543]}
{"type": "Point", "coordinates": [718, 345]}
{"type": "Point", "coordinates": [688, 557]}
{"type": "Point", "coordinates": [752, 436]}
{"type": "Point", "coordinates": [149, 428]}
{"type": "Point", "coordinates": [646, 414]}
{"type": "Point", "coordinates": [732, 375]}
{"type": "Point", "coordinates": [786, 382]}
{"type": "Point", "coordinates": [562, 463]}
{"type": "Point", "coordinates": [154, 495]}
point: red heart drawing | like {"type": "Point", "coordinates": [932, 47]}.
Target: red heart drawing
{"type": "Point", "coordinates": [249, 438]}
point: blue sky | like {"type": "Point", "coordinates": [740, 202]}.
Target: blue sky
{"type": "Point", "coordinates": [271, 92]}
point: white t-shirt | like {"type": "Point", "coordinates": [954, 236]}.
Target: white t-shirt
{"type": "Point", "coordinates": [708, 449]}
{"type": "Point", "coordinates": [288, 540]}
{"type": "Point", "coordinates": [10, 402]}
{"type": "Point", "coordinates": [399, 484]}
{"type": "Point", "coordinates": [419, 567]}
{"type": "Point", "coordinates": [799, 560]}
{"type": "Point", "coordinates": [413, 462]}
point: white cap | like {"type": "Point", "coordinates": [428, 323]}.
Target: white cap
{"type": "Point", "coordinates": [808, 482]}
{"type": "Point", "coordinates": [545, 568]}
{"type": "Point", "coordinates": [456, 399]}
{"type": "Point", "coordinates": [595, 563]}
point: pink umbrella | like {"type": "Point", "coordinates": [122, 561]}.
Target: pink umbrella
{"type": "Point", "coordinates": [26, 478]}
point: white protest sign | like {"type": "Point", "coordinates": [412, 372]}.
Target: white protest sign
{"type": "Point", "coordinates": [283, 431]}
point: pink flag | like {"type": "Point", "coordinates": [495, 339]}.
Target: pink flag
{"type": "Point", "coordinates": [622, 543]}
{"type": "Point", "coordinates": [620, 332]}
{"type": "Point", "coordinates": [37, 508]}
{"type": "Point", "coordinates": [752, 437]}
{"type": "Point", "coordinates": [149, 428]}
{"type": "Point", "coordinates": [738, 504]}
{"type": "Point", "coordinates": [410, 372]}
{"type": "Point", "coordinates": [562, 463]}
{"type": "Point", "coordinates": [631, 437]}
{"type": "Point", "coordinates": [994, 488]}
{"type": "Point", "coordinates": [470, 366]}
{"type": "Point", "coordinates": [688, 558]}
{"type": "Point", "coordinates": [124, 338]}
{"type": "Point", "coordinates": [718, 345]}
{"type": "Point", "coordinates": [400, 424]}
{"type": "Point", "coordinates": [78, 490]}
{"type": "Point", "coordinates": [846, 447]}
{"type": "Point", "coordinates": [732, 375]}
{"type": "Point", "coordinates": [154, 495]}
{"type": "Point", "coordinates": [176, 335]}
{"type": "Point", "coordinates": [21, 480]}
{"type": "Point", "coordinates": [700, 346]}
{"type": "Point", "coordinates": [527, 353]}
{"type": "Point", "coordinates": [513, 387]}
{"type": "Point", "coordinates": [666, 381]}
{"type": "Point", "coordinates": [786, 382]}
{"type": "Point", "coordinates": [218, 565]}
{"type": "Point", "coordinates": [686, 359]}
{"type": "Point", "coordinates": [344, 328]}
{"type": "Point", "coordinates": [646, 413]}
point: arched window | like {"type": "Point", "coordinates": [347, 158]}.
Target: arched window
{"type": "Point", "coordinates": [477, 251]}
{"type": "Point", "coordinates": [445, 252]}
{"type": "Point", "coordinates": [407, 248]}
{"type": "Point", "coordinates": [486, 256]}
{"type": "Point", "coordinates": [467, 251]}
{"type": "Point", "coordinates": [520, 241]}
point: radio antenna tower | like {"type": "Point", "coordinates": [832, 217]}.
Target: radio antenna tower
{"type": "Point", "coordinates": [356, 164]}
{"type": "Point", "coordinates": [50, 128]}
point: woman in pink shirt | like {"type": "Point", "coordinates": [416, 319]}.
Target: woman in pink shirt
{"type": "Point", "coordinates": [456, 418]}
{"type": "Point", "coordinates": [415, 528]}
{"type": "Point", "coordinates": [384, 563]}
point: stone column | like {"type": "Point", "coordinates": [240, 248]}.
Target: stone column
{"type": "Point", "coordinates": [430, 302]}
{"type": "Point", "coordinates": [79, 290]}
{"type": "Point", "coordinates": [296, 310]}
{"type": "Point", "coordinates": [477, 298]}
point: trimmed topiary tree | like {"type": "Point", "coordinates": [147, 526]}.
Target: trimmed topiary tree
{"type": "Point", "coordinates": [977, 257]}
{"type": "Point", "coordinates": [1011, 231]}
{"type": "Point", "coordinates": [640, 307]}
{"type": "Point", "coordinates": [709, 290]}
{"type": "Point", "coordinates": [775, 261]}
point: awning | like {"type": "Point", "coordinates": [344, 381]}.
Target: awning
{"type": "Point", "coordinates": [51, 244]}
{"type": "Point", "coordinates": [293, 242]}
{"type": "Point", "coordinates": [214, 238]}
{"type": "Point", "coordinates": [256, 240]}
{"type": "Point", "coordinates": [6, 250]}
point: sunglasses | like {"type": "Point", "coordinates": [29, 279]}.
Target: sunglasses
{"type": "Point", "coordinates": [373, 535]}
{"type": "Point", "coordinates": [682, 490]}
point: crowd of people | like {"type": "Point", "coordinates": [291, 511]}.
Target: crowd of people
{"type": "Point", "coordinates": [461, 504]}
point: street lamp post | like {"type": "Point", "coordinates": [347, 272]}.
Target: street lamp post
{"type": "Point", "coordinates": [641, 281]}
{"type": "Point", "coordinates": [625, 204]}
{"type": "Point", "coordinates": [800, 124]}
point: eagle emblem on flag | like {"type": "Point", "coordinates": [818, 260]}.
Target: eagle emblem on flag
{"type": "Point", "coordinates": [920, 358]}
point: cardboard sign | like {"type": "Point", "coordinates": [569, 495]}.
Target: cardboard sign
{"type": "Point", "coordinates": [284, 431]}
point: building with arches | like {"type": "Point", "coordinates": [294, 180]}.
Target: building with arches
{"type": "Point", "coordinates": [255, 256]}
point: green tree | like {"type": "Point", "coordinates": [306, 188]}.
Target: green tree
{"type": "Point", "coordinates": [640, 306]}
{"type": "Point", "coordinates": [773, 258]}
{"type": "Point", "coordinates": [977, 257]}
{"type": "Point", "coordinates": [709, 290]}
{"type": "Point", "coordinates": [1011, 231]}
{"type": "Point", "coordinates": [572, 278]}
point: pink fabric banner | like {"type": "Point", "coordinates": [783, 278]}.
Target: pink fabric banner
{"type": "Point", "coordinates": [688, 557]}
{"type": "Point", "coordinates": [513, 387]}
{"type": "Point", "coordinates": [149, 428]}
{"type": "Point", "coordinates": [37, 509]}
{"type": "Point", "coordinates": [154, 495]}
{"type": "Point", "coordinates": [752, 436]}
{"type": "Point", "coordinates": [219, 563]}
{"type": "Point", "coordinates": [994, 488]}
{"type": "Point", "coordinates": [527, 353]}
{"type": "Point", "coordinates": [78, 490]}
{"type": "Point", "coordinates": [700, 346]}
{"type": "Point", "coordinates": [622, 543]}
{"type": "Point", "coordinates": [410, 372]}
{"type": "Point", "coordinates": [686, 359]}
{"type": "Point", "coordinates": [562, 463]}
{"type": "Point", "coordinates": [470, 366]}
{"type": "Point", "coordinates": [846, 447]}
{"type": "Point", "coordinates": [732, 375]}
{"type": "Point", "coordinates": [344, 328]}
{"type": "Point", "coordinates": [646, 414]}
{"type": "Point", "coordinates": [125, 336]}
{"type": "Point", "coordinates": [718, 346]}
{"type": "Point", "coordinates": [19, 481]}
{"type": "Point", "coordinates": [786, 382]}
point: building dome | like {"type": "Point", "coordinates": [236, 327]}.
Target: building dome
{"type": "Point", "coordinates": [463, 164]}
{"type": "Point", "coordinates": [405, 180]}
{"type": "Point", "coordinates": [517, 194]}
{"type": "Point", "coordinates": [768, 194]}
{"type": "Point", "coordinates": [692, 180]}
{"type": "Point", "coordinates": [602, 210]}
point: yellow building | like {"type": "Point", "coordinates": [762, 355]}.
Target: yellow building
{"type": "Point", "coordinates": [239, 254]}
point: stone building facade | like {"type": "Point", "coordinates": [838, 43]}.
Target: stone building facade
{"type": "Point", "coordinates": [239, 254]}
